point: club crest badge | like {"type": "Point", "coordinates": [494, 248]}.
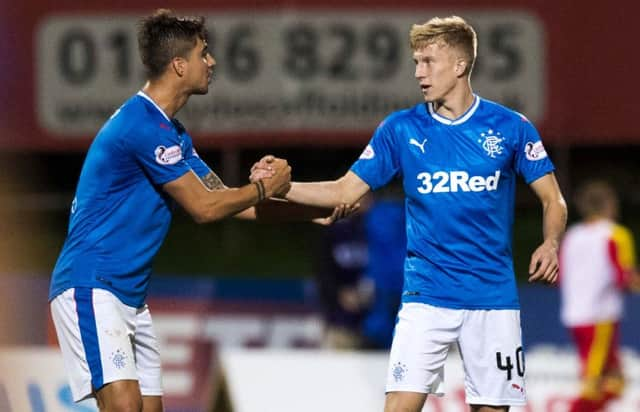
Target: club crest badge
{"type": "Point", "coordinates": [119, 359]}
{"type": "Point", "coordinates": [491, 142]}
{"type": "Point", "coordinates": [399, 371]}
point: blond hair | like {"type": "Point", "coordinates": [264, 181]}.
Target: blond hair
{"type": "Point", "coordinates": [453, 31]}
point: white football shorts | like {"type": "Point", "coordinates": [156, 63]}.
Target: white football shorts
{"type": "Point", "coordinates": [104, 340]}
{"type": "Point", "coordinates": [489, 341]}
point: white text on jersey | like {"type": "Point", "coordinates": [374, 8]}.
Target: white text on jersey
{"type": "Point", "coordinates": [455, 181]}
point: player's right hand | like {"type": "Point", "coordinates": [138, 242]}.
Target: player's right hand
{"type": "Point", "coordinates": [280, 182]}
{"type": "Point", "coordinates": [262, 168]}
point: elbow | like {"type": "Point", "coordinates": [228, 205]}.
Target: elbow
{"type": "Point", "coordinates": [345, 193]}
{"type": "Point", "coordinates": [557, 203]}
{"type": "Point", "coordinates": [349, 198]}
{"type": "Point", "coordinates": [200, 218]}
{"type": "Point", "coordinates": [203, 214]}
{"type": "Point", "coordinates": [562, 203]}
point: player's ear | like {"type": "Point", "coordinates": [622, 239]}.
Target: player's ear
{"type": "Point", "coordinates": [460, 66]}
{"type": "Point", "coordinates": [178, 65]}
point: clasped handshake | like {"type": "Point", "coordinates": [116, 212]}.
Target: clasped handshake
{"type": "Point", "coordinates": [275, 174]}
{"type": "Point", "coordinates": [272, 177]}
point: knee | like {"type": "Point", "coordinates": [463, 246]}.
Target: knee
{"type": "Point", "coordinates": [124, 404]}
{"type": "Point", "coordinates": [404, 402]}
{"type": "Point", "coordinates": [120, 396]}
{"type": "Point", "coordinates": [487, 408]}
{"type": "Point", "coordinates": [397, 407]}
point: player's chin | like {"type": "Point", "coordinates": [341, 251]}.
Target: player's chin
{"type": "Point", "coordinates": [428, 97]}
{"type": "Point", "coordinates": [202, 90]}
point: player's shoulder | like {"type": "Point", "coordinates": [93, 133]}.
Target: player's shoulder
{"type": "Point", "coordinates": [620, 231]}
{"type": "Point", "coordinates": [506, 113]}
{"type": "Point", "coordinates": [596, 230]}
{"type": "Point", "coordinates": [138, 112]}
{"type": "Point", "coordinates": [402, 117]}
{"type": "Point", "coordinates": [575, 228]}
{"type": "Point", "coordinates": [418, 110]}
{"type": "Point", "coordinates": [135, 117]}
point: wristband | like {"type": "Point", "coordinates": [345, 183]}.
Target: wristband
{"type": "Point", "coordinates": [261, 191]}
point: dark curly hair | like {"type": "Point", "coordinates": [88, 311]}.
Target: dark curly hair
{"type": "Point", "coordinates": [163, 36]}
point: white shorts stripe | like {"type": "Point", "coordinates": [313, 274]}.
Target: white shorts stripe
{"type": "Point", "coordinates": [89, 334]}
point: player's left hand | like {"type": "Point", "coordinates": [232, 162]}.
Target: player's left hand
{"type": "Point", "coordinates": [544, 263]}
{"type": "Point", "coordinates": [339, 212]}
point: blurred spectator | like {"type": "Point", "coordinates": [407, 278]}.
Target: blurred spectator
{"type": "Point", "coordinates": [387, 243]}
{"type": "Point", "coordinates": [342, 262]}
{"type": "Point", "coordinates": [361, 273]}
{"type": "Point", "coordinates": [597, 259]}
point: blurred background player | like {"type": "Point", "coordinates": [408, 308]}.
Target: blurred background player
{"type": "Point", "coordinates": [360, 272]}
{"type": "Point", "coordinates": [342, 261]}
{"type": "Point", "coordinates": [386, 235]}
{"type": "Point", "coordinates": [597, 265]}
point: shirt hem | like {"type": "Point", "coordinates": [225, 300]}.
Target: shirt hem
{"type": "Point", "coordinates": [414, 388]}
{"type": "Point", "coordinates": [455, 305]}
{"type": "Point", "coordinates": [134, 303]}
{"type": "Point", "coordinates": [479, 400]}
{"type": "Point", "coordinates": [540, 174]}
{"type": "Point", "coordinates": [364, 178]}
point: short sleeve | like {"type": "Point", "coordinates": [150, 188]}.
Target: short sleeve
{"type": "Point", "coordinates": [160, 155]}
{"type": "Point", "coordinates": [531, 159]}
{"type": "Point", "coordinates": [194, 161]}
{"type": "Point", "coordinates": [379, 162]}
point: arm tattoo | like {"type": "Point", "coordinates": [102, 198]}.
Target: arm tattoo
{"type": "Point", "coordinates": [212, 181]}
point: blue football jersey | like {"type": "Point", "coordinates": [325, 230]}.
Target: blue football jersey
{"type": "Point", "coordinates": [459, 178]}
{"type": "Point", "coordinates": [120, 215]}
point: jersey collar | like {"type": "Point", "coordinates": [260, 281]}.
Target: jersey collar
{"type": "Point", "coordinates": [144, 95]}
{"type": "Point", "coordinates": [461, 119]}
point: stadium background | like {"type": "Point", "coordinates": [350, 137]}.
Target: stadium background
{"type": "Point", "coordinates": [572, 70]}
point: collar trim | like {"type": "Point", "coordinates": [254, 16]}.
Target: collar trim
{"type": "Point", "coordinates": [461, 119]}
{"type": "Point", "coordinates": [144, 95]}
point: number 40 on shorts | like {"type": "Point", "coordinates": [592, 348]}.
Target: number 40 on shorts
{"type": "Point", "coordinates": [504, 363]}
